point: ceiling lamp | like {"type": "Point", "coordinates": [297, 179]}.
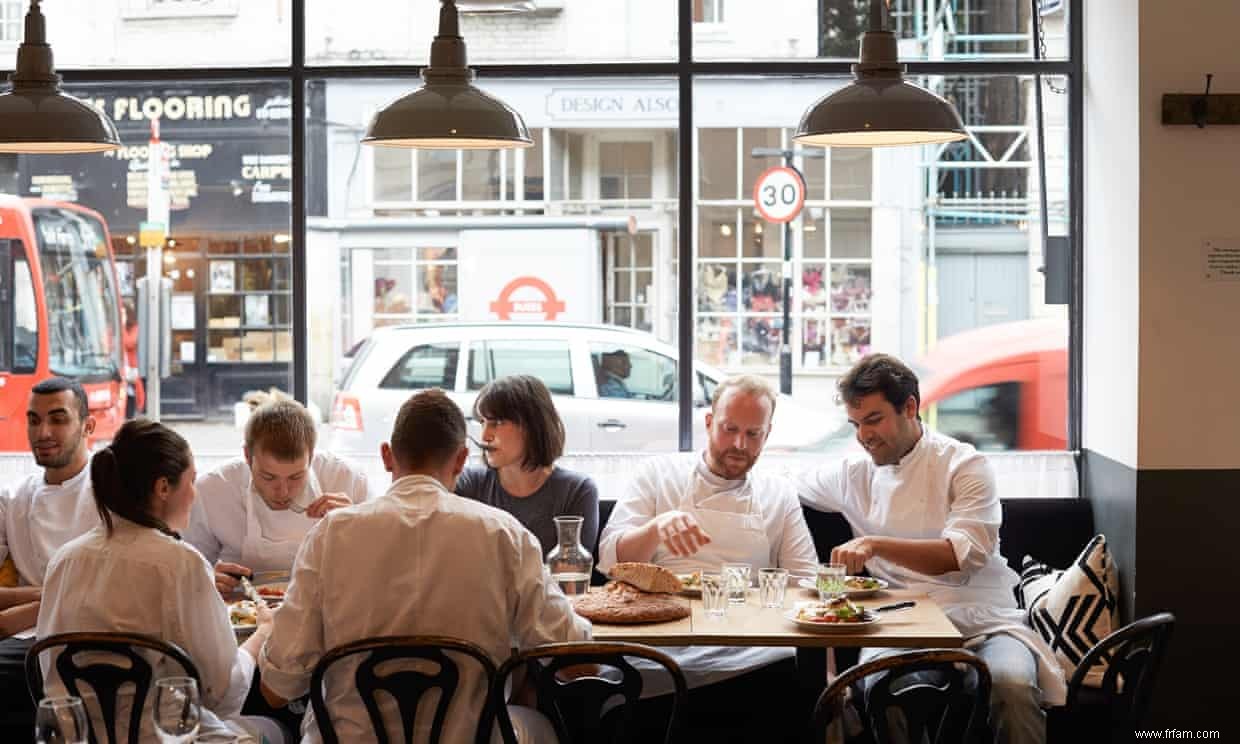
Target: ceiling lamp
{"type": "Point", "coordinates": [35, 117]}
{"type": "Point", "coordinates": [879, 108]}
{"type": "Point", "coordinates": [448, 112]}
{"type": "Point", "coordinates": [495, 6]}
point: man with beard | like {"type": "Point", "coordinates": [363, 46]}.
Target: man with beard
{"type": "Point", "coordinates": [694, 516]}
{"type": "Point", "coordinates": [926, 516]}
{"type": "Point", "coordinates": [37, 517]}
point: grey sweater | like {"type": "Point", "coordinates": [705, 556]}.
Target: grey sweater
{"type": "Point", "coordinates": [565, 493]}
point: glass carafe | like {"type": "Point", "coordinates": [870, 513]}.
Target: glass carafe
{"type": "Point", "coordinates": [569, 562]}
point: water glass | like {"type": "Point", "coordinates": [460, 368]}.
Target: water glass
{"type": "Point", "coordinates": [714, 594]}
{"type": "Point", "coordinates": [772, 582]}
{"type": "Point", "coordinates": [831, 581]}
{"type": "Point", "coordinates": [176, 710]}
{"type": "Point", "coordinates": [61, 720]}
{"type": "Point", "coordinates": [737, 575]}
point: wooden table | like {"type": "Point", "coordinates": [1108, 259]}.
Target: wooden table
{"type": "Point", "coordinates": [924, 626]}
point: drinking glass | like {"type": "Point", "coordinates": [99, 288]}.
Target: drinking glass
{"type": "Point", "coordinates": [831, 581]}
{"type": "Point", "coordinates": [714, 594]}
{"type": "Point", "coordinates": [176, 710]}
{"type": "Point", "coordinates": [771, 585]}
{"type": "Point", "coordinates": [737, 575]}
{"type": "Point", "coordinates": [61, 720]}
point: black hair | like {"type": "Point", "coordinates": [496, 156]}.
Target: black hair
{"type": "Point", "coordinates": [526, 401]}
{"type": "Point", "coordinates": [429, 429]}
{"type": "Point", "coordinates": [123, 474]}
{"type": "Point", "coordinates": [53, 385]}
{"type": "Point", "coordinates": [880, 373]}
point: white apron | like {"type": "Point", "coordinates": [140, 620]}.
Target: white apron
{"type": "Point", "coordinates": [275, 551]}
{"type": "Point", "coordinates": [735, 537]}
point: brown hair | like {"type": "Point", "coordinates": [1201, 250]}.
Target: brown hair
{"type": "Point", "coordinates": [751, 384]}
{"type": "Point", "coordinates": [429, 430]}
{"type": "Point", "coordinates": [525, 401]}
{"type": "Point", "coordinates": [123, 474]}
{"type": "Point", "coordinates": [283, 429]}
{"type": "Point", "coordinates": [880, 373]}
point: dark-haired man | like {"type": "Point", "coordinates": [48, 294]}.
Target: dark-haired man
{"type": "Point", "coordinates": [418, 560]}
{"type": "Point", "coordinates": [37, 517]}
{"type": "Point", "coordinates": [926, 516]}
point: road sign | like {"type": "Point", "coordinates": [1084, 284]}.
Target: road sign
{"type": "Point", "coordinates": [779, 194]}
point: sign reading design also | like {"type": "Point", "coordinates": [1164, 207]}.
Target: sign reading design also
{"type": "Point", "coordinates": [589, 104]}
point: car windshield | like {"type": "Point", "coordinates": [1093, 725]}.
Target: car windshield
{"type": "Point", "coordinates": [81, 301]}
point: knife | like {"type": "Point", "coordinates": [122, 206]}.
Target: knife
{"type": "Point", "coordinates": [251, 592]}
{"type": "Point", "coordinates": [894, 607]}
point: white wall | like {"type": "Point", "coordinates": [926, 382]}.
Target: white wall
{"type": "Point", "coordinates": [1113, 201]}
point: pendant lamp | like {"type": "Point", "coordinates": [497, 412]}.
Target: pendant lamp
{"type": "Point", "coordinates": [35, 116]}
{"type": "Point", "coordinates": [879, 108]}
{"type": "Point", "coordinates": [448, 112]}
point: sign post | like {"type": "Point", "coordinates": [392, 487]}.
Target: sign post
{"type": "Point", "coordinates": [152, 235]}
{"type": "Point", "coordinates": [779, 196]}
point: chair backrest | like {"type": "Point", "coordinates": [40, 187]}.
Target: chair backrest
{"type": "Point", "coordinates": [576, 701]}
{"type": "Point", "coordinates": [1133, 655]}
{"type": "Point", "coordinates": [406, 686]}
{"type": "Point", "coordinates": [937, 707]}
{"type": "Point", "coordinates": [105, 678]}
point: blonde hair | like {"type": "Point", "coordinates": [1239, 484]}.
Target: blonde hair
{"type": "Point", "coordinates": [750, 384]}
{"type": "Point", "coordinates": [283, 429]}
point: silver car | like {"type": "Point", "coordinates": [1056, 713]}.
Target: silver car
{"type": "Point", "coordinates": [614, 388]}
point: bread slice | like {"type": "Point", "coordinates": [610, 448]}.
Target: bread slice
{"type": "Point", "coordinates": [646, 576]}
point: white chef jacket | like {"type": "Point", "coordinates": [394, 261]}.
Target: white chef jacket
{"type": "Point", "coordinates": [140, 580]}
{"type": "Point", "coordinates": [756, 519]}
{"type": "Point", "coordinates": [418, 560]}
{"type": "Point", "coordinates": [941, 489]}
{"type": "Point", "coordinates": [39, 518]}
{"type": "Point", "coordinates": [231, 522]}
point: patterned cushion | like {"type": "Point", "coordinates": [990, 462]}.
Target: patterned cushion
{"type": "Point", "coordinates": [1072, 609]}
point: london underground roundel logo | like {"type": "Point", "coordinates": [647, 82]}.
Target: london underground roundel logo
{"type": "Point", "coordinates": [527, 295]}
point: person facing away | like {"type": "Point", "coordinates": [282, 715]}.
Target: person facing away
{"type": "Point", "coordinates": [614, 367]}
{"type": "Point", "coordinates": [254, 511]}
{"type": "Point", "coordinates": [694, 516]}
{"type": "Point", "coordinates": [38, 516]}
{"type": "Point", "coordinates": [522, 437]}
{"type": "Point", "coordinates": [132, 573]}
{"type": "Point", "coordinates": [926, 516]}
{"type": "Point", "coordinates": [418, 560]}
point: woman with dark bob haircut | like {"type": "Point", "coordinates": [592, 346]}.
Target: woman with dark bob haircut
{"type": "Point", "coordinates": [522, 437]}
{"type": "Point", "coordinates": [133, 574]}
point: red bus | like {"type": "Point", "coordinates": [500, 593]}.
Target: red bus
{"type": "Point", "coordinates": [1000, 387]}
{"type": "Point", "coordinates": [59, 312]}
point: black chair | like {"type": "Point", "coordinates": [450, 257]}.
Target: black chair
{"type": "Point", "coordinates": [406, 686]}
{"type": "Point", "coordinates": [575, 704]}
{"type": "Point", "coordinates": [1133, 655]}
{"type": "Point", "coordinates": [105, 678]}
{"type": "Point", "coordinates": [939, 709]}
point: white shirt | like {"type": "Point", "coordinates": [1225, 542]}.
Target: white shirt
{"type": "Point", "coordinates": [941, 489]}
{"type": "Point", "coordinates": [756, 519]}
{"type": "Point", "coordinates": [218, 522]}
{"type": "Point", "coordinates": [140, 580]}
{"type": "Point", "coordinates": [418, 560]}
{"type": "Point", "coordinates": [39, 518]}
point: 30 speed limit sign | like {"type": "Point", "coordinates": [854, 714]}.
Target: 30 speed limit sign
{"type": "Point", "coordinates": [779, 194]}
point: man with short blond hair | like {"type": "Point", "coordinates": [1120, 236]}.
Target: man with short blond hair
{"type": "Point", "coordinates": [252, 513]}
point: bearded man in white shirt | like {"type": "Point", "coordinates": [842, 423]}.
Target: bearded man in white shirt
{"type": "Point", "coordinates": [253, 512]}
{"type": "Point", "coordinates": [695, 516]}
{"type": "Point", "coordinates": [418, 560]}
{"type": "Point", "coordinates": [926, 516]}
{"type": "Point", "coordinates": [37, 517]}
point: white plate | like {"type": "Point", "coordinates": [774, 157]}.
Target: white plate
{"type": "Point", "coordinates": [871, 618]}
{"type": "Point", "coordinates": [811, 585]}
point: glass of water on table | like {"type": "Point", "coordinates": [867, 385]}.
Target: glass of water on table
{"type": "Point", "coordinates": [737, 576]}
{"type": "Point", "coordinates": [830, 581]}
{"type": "Point", "coordinates": [714, 594]}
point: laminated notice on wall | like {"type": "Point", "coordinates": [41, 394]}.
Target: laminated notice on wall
{"type": "Point", "coordinates": [1222, 259]}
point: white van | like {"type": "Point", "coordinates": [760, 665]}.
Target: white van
{"type": "Point", "coordinates": [635, 413]}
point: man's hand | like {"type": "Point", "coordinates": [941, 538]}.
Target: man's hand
{"type": "Point", "coordinates": [326, 503]}
{"type": "Point", "coordinates": [264, 617]}
{"type": "Point", "coordinates": [681, 533]}
{"type": "Point", "coordinates": [226, 574]}
{"type": "Point", "coordinates": [853, 554]}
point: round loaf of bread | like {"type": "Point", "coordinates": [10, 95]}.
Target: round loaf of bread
{"type": "Point", "coordinates": [623, 604]}
{"type": "Point", "coordinates": [646, 576]}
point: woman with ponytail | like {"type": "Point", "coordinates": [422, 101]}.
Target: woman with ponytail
{"type": "Point", "coordinates": [133, 574]}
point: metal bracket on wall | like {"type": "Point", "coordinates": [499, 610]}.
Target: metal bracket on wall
{"type": "Point", "coordinates": [1220, 109]}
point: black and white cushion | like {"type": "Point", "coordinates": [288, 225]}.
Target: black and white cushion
{"type": "Point", "coordinates": [1074, 608]}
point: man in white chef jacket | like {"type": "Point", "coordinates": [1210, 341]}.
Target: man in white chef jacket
{"type": "Point", "coordinates": [694, 516]}
{"type": "Point", "coordinates": [418, 560]}
{"type": "Point", "coordinates": [926, 516]}
{"type": "Point", "coordinates": [37, 517]}
{"type": "Point", "coordinates": [252, 513]}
